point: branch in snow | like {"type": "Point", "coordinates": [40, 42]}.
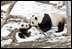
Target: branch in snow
{"type": "Point", "coordinates": [8, 12]}
{"type": "Point", "coordinates": [3, 11]}
{"type": "Point", "coordinates": [17, 16]}
{"type": "Point", "coordinates": [38, 28]}
{"type": "Point", "coordinates": [11, 35]}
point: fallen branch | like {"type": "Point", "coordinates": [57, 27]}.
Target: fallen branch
{"type": "Point", "coordinates": [7, 13]}
{"type": "Point", "coordinates": [3, 11]}
{"type": "Point", "coordinates": [24, 18]}
{"type": "Point", "coordinates": [17, 16]}
{"type": "Point", "coordinates": [11, 35]}
{"type": "Point", "coordinates": [38, 28]}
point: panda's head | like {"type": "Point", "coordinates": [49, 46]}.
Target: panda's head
{"type": "Point", "coordinates": [25, 26]}
{"type": "Point", "coordinates": [36, 19]}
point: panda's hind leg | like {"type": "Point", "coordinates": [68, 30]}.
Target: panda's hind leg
{"type": "Point", "coordinates": [60, 27]}
{"type": "Point", "coordinates": [21, 35]}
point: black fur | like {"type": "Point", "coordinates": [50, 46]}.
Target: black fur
{"type": "Point", "coordinates": [35, 18]}
{"type": "Point", "coordinates": [46, 23]}
{"type": "Point", "coordinates": [24, 32]}
{"type": "Point", "coordinates": [21, 35]}
{"type": "Point", "coordinates": [60, 27]}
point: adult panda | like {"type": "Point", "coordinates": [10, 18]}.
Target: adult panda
{"type": "Point", "coordinates": [24, 30]}
{"type": "Point", "coordinates": [45, 21]}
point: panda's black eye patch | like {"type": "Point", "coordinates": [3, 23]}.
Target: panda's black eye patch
{"type": "Point", "coordinates": [35, 18]}
{"type": "Point", "coordinates": [26, 25]}
{"type": "Point", "coordinates": [32, 23]}
{"type": "Point", "coordinates": [22, 25]}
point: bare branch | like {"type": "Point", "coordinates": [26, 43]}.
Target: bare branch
{"type": "Point", "coordinates": [38, 28]}
{"type": "Point", "coordinates": [8, 12]}
{"type": "Point", "coordinates": [17, 16]}
{"type": "Point", "coordinates": [12, 35]}
{"type": "Point", "coordinates": [3, 11]}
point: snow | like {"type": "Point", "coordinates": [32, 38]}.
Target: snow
{"type": "Point", "coordinates": [5, 7]}
{"type": "Point", "coordinates": [6, 42]}
{"type": "Point", "coordinates": [59, 3]}
{"type": "Point", "coordinates": [5, 30]}
{"type": "Point", "coordinates": [27, 8]}
{"type": "Point", "coordinates": [54, 2]}
{"type": "Point", "coordinates": [60, 39]}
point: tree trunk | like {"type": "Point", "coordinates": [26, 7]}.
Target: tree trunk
{"type": "Point", "coordinates": [68, 11]}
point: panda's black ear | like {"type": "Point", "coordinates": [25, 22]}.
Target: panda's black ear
{"type": "Point", "coordinates": [32, 15]}
{"type": "Point", "coordinates": [35, 18]}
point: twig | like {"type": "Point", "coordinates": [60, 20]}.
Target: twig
{"type": "Point", "coordinates": [38, 28]}
{"type": "Point", "coordinates": [3, 11]}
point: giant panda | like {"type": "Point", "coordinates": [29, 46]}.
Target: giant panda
{"type": "Point", "coordinates": [48, 20]}
{"type": "Point", "coordinates": [24, 30]}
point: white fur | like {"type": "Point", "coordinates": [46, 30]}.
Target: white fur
{"type": "Point", "coordinates": [56, 18]}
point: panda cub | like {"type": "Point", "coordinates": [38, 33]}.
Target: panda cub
{"type": "Point", "coordinates": [24, 30]}
{"type": "Point", "coordinates": [47, 20]}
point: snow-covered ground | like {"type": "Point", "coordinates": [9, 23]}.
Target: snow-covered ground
{"type": "Point", "coordinates": [28, 8]}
